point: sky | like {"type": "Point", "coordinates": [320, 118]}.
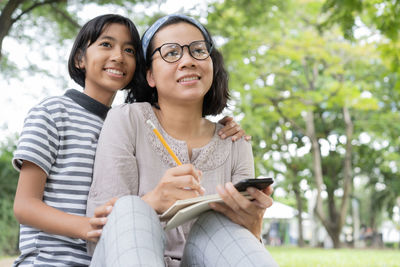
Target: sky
{"type": "Point", "coordinates": [18, 95]}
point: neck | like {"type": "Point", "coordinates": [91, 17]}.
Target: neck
{"type": "Point", "coordinates": [183, 122]}
{"type": "Point", "coordinates": [105, 97]}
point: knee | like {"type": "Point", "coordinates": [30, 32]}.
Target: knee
{"type": "Point", "coordinates": [212, 216]}
{"type": "Point", "coordinates": [125, 200]}
{"type": "Point", "coordinates": [133, 204]}
{"type": "Point", "coordinates": [122, 202]}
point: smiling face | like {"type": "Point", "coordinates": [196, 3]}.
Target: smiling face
{"type": "Point", "coordinates": [109, 63]}
{"type": "Point", "coordinates": [187, 80]}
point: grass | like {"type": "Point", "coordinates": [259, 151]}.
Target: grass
{"type": "Point", "coordinates": [316, 257]}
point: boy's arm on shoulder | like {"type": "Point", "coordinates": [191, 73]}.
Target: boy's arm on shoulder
{"type": "Point", "coordinates": [232, 129]}
{"type": "Point", "coordinates": [29, 208]}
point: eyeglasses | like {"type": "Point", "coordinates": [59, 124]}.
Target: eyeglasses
{"type": "Point", "coordinates": [172, 52]}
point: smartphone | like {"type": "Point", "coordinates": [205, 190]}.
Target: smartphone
{"type": "Point", "coordinates": [259, 183]}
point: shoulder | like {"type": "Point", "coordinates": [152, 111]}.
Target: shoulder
{"type": "Point", "coordinates": [55, 101]}
{"type": "Point", "coordinates": [128, 108]}
{"type": "Point", "coordinates": [126, 117]}
{"type": "Point", "coordinates": [54, 106]}
{"type": "Point", "coordinates": [126, 112]}
{"type": "Point", "coordinates": [46, 112]}
{"type": "Point", "coordinates": [238, 143]}
{"type": "Point", "coordinates": [239, 147]}
{"type": "Point", "coordinates": [241, 144]}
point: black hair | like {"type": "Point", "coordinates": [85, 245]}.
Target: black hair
{"type": "Point", "coordinates": [216, 98]}
{"type": "Point", "coordinates": [89, 34]}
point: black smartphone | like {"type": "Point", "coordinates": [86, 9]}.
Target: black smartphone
{"type": "Point", "coordinates": [259, 183]}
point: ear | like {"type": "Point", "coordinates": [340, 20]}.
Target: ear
{"type": "Point", "coordinates": [150, 78]}
{"type": "Point", "coordinates": [79, 60]}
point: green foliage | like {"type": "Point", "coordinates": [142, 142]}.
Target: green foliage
{"type": "Point", "coordinates": [379, 14]}
{"type": "Point", "coordinates": [50, 23]}
{"type": "Point", "coordinates": [9, 228]}
{"type": "Point", "coordinates": [282, 65]}
{"type": "Point", "coordinates": [312, 257]}
{"type": "Point", "coordinates": [284, 58]}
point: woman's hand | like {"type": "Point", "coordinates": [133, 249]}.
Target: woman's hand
{"type": "Point", "coordinates": [242, 211]}
{"type": "Point", "coordinates": [232, 129]}
{"type": "Point", "coordinates": [180, 182]}
{"type": "Point", "coordinates": [99, 219]}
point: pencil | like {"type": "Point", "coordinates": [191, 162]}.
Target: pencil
{"type": "Point", "coordinates": [149, 122]}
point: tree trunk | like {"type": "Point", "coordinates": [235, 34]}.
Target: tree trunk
{"type": "Point", "coordinates": [299, 203]}
{"type": "Point", "coordinates": [336, 222]}
{"type": "Point", "coordinates": [335, 236]}
{"type": "Point", "coordinates": [6, 20]}
{"type": "Point", "coordinates": [317, 164]}
{"type": "Point", "coordinates": [348, 174]}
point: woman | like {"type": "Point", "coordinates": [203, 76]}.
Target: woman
{"type": "Point", "coordinates": [186, 81]}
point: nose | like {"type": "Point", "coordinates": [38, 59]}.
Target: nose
{"type": "Point", "coordinates": [117, 55]}
{"type": "Point", "coordinates": [187, 60]}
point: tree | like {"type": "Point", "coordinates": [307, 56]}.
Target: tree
{"type": "Point", "coordinates": [382, 15]}
{"type": "Point", "coordinates": [9, 227]}
{"type": "Point", "coordinates": [312, 83]}
{"type": "Point", "coordinates": [378, 17]}
{"type": "Point", "coordinates": [378, 157]}
{"type": "Point", "coordinates": [58, 16]}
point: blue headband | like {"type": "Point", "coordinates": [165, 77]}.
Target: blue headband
{"type": "Point", "coordinates": [148, 35]}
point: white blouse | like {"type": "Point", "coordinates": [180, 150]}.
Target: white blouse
{"type": "Point", "coordinates": [130, 160]}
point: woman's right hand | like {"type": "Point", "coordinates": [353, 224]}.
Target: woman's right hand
{"type": "Point", "coordinates": [181, 182]}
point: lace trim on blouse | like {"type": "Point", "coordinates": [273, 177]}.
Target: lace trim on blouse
{"type": "Point", "coordinates": [205, 158]}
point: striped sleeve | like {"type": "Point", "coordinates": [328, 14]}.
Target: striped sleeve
{"type": "Point", "coordinates": [39, 140]}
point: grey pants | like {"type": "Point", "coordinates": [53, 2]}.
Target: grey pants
{"type": "Point", "coordinates": [133, 236]}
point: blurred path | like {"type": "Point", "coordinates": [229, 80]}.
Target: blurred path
{"type": "Point", "coordinates": [6, 262]}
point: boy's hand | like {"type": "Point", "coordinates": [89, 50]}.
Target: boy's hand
{"type": "Point", "coordinates": [99, 219]}
{"type": "Point", "coordinates": [232, 129]}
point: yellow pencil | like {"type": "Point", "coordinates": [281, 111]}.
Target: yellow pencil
{"type": "Point", "coordinates": [149, 122]}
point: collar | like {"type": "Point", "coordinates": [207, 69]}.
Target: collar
{"type": "Point", "coordinates": [88, 103]}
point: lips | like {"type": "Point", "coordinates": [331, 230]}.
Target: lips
{"type": "Point", "coordinates": [188, 79]}
{"type": "Point", "coordinates": [115, 71]}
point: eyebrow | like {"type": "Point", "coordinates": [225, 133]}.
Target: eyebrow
{"type": "Point", "coordinates": [113, 39]}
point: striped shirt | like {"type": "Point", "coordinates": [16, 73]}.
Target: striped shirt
{"type": "Point", "coordinates": [60, 136]}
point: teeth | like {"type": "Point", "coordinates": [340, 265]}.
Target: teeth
{"type": "Point", "coordinates": [188, 79]}
{"type": "Point", "coordinates": [113, 71]}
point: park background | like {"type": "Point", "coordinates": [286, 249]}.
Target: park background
{"type": "Point", "coordinates": [315, 83]}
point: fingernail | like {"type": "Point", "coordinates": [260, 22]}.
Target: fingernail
{"type": "Point", "coordinates": [220, 132]}
{"type": "Point", "coordinates": [223, 136]}
{"type": "Point", "coordinates": [251, 190]}
{"type": "Point", "coordinates": [234, 138]}
{"type": "Point", "coordinates": [220, 189]}
{"type": "Point", "coordinates": [229, 185]}
{"type": "Point", "coordinates": [103, 220]}
{"type": "Point", "coordinates": [108, 208]}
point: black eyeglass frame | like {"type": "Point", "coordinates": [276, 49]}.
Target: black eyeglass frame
{"type": "Point", "coordinates": [208, 45]}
